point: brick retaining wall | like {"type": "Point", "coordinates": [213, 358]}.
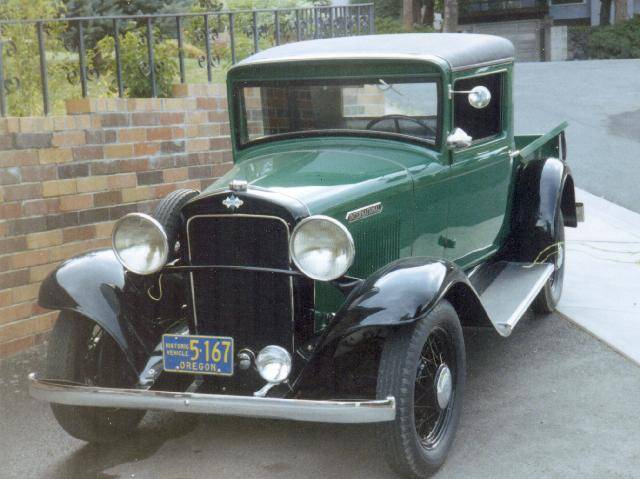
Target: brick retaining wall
{"type": "Point", "coordinates": [65, 179]}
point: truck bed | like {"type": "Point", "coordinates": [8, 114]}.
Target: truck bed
{"type": "Point", "coordinates": [541, 145]}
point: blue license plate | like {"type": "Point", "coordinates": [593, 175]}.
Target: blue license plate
{"type": "Point", "coordinates": [198, 354]}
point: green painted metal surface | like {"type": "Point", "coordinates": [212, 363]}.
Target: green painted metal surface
{"type": "Point", "coordinates": [438, 203]}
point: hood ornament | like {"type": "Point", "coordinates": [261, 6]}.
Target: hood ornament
{"type": "Point", "coordinates": [232, 202]}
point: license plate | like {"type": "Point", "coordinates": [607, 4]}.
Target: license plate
{"type": "Point", "coordinates": [198, 354]}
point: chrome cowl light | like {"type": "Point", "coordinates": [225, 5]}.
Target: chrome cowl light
{"type": "Point", "coordinates": [322, 248]}
{"type": "Point", "coordinates": [140, 243]}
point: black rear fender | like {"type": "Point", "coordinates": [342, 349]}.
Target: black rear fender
{"type": "Point", "coordinates": [543, 187]}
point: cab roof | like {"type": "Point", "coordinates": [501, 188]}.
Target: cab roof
{"type": "Point", "coordinates": [458, 50]}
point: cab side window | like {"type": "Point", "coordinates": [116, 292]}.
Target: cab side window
{"type": "Point", "coordinates": [479, 123]}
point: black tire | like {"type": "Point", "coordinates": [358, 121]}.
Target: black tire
{"type": "Point", "coordinates": [549, 296]}
{"type": "Point", "coordinates": [168, 215]}
{"type": "Point", "coordinates": [411, 448]}
{"type": "Point", "coordinates": [69, 357]}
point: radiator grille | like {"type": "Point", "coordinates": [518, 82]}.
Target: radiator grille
{"type": "Point", "coordinates": [255, 308]}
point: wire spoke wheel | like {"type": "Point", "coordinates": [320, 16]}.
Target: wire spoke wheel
{"type": "Point", "coordinates": [423, 368]}
{"type": "Point", "coordinates": [434, 388]}
{"type": "Point", "coordinates": [549, 296]}
{"type": "Point", "coordinates": [80, 351]}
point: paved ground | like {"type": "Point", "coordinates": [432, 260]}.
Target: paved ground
{"type": "Point", "coordinates": [602, 281]}
{"type": "Point", "coordinates": [601, 101]}
{"type": "Point", "coordinates": [551, 401]}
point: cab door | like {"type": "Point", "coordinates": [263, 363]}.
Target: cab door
{"type": "Point", "coordinates": [480, 175]}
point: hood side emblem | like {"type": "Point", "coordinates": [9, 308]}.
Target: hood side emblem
{"type": "Point", "coordinates": [364, 212]}
{"type": "Point", "coordinates": [232, 202]}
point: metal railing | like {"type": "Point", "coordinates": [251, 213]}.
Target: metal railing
{"type": "Point", "coordinates": [271, 26]}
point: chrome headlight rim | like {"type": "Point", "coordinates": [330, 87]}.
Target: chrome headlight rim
{"type": "Point", "coordinates": [158, 226]}
{"type": "Point", "coordinates": [345, 231]}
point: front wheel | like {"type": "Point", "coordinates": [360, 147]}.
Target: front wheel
{"type": "Point", "coordinates": [82, 352]}
{"type": "Point", "coordinates": [424, 367]}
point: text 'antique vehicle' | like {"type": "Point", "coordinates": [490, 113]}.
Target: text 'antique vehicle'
{"type": "Point", "coordinates": [379, 203]}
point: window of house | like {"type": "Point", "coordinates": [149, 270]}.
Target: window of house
{"type": "Point", "coordinates": [479, 123]}
{"type": "Point", "coordinates": [567, 2]}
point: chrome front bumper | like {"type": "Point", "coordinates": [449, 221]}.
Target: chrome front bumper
{"type": "Point", "coordinates": [61, 392]}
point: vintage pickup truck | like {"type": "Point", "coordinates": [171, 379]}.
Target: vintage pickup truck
{"type": "Point", "coordinates": [379, 203]}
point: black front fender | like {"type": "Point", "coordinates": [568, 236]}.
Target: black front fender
{"type": "Point", "coordinates": [395, 296]}
{"type": "Point", "coordinates": [95, 286]}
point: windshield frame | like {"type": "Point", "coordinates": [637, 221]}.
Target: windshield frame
{"type": "Point", "coordinates": [240, 117]}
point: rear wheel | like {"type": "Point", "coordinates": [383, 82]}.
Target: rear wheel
{"type": "Point", "coordinates": [423, 366]}
{"type": "Point", "coordinates": [82, 352]}
{"type": "Point", "coordinates": [549, 296]}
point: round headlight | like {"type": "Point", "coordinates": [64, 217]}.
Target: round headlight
{"type": "Point", "coordinates": [273, 364]}
{"type": "Point", "coordinates": [140, 243]}
{"type": "Point", "coordinates": [322, 248]}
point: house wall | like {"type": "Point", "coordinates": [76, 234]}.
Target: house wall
{"type": "Point", "coordinates": [526, 36]}
{"type": "Point", "coordinates": [64, 180]}
{"type": "Point", "coordinates": [573, 11]}
{"type": "Point", "coordinates": [558, 43]}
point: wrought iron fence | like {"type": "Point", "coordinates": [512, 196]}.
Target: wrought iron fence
{"type": "Point", "coordinates": [224, 37]}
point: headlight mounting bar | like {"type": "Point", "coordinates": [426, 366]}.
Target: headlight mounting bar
{"type": "Point", "coordinates": [257, 269]}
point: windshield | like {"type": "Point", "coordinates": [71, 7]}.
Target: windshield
{"type": "Point", "coordinates": [378, 106]}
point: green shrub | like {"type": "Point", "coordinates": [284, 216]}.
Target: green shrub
{"type": "Point", "coordinates": [578, 42]}
{"type": "Point", "coordinates": [385, 8]}
{"type": "Point", "coordinates": [135, 60]}
{"type": "Point", "coordinates": [394, 25]}
{"type": "Point", "coordinates": [614, 41]}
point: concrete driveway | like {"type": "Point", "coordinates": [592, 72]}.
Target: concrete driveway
{"type": "Point", "coordinates": [550, 401]}
{"type": "Point", "coordinates": [601, 101]}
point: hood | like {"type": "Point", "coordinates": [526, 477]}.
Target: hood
{"type": "Point", "coordinates": [323, 178]}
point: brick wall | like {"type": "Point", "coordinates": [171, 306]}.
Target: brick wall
{"type": "Point", "coordinates": [64, 180]}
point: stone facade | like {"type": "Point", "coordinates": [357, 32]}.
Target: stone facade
{"type": "Point", "coordinates": [64, 180]}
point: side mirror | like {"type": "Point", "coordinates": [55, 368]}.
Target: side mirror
{"type": "Point", "coordinates": [458, 140]}
{"type": "Point", "coordinates": [479, 97]}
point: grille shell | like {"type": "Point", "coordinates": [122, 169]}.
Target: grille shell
{"type": "Point", "coordinates": [255, 308]}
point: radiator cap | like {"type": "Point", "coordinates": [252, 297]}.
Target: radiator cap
{"type": "Point", "coordinates": [238, 185]}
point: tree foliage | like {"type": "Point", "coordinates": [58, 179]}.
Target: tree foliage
{"type": "Point", "coordinates": [21, 53]}
{"type": "Point", "coordinates": [96, 30]}
{"type": "Point", "coordinates": [385, 8]}
{"type": "Point", "coordinates": [135, 63]}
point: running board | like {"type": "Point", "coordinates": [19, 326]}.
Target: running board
{"type": "Point", "coordinates": [507, 290]}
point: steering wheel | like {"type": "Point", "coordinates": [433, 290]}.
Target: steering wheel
{"type": "Point", "coordinates": [395, 118]}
